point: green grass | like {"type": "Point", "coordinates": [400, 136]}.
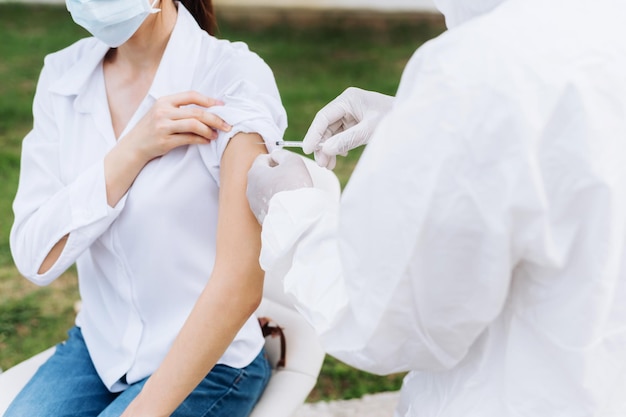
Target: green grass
{"type": "Point", "coordinates": [312, 62]}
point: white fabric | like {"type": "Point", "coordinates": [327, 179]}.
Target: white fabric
{"type": "Point", "coordinates": [142, 264]}
{"type": "Point", "coordinates": [457, 12]}
{"type": "Point", "coordinates": [481, 241]}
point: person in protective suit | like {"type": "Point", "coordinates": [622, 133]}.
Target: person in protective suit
{"type": "Point", "coordinates": [480, 243]}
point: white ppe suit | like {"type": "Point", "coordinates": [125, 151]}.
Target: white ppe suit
{"type": "Point", "coordinates": [481, 241]}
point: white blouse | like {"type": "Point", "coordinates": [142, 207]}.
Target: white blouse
{"type": "Point", "coordinates": [142, 264]}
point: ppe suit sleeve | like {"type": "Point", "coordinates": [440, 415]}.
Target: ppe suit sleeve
{"type": "Point", "coordinates": [419, 261]}
{"type": "Point", "coordinates": [45, 207]}
{"type": "Point", "coordinates": [299, 240]}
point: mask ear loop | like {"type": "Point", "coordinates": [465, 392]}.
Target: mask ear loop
{"type": "Point", "coordinates": [154, 10]}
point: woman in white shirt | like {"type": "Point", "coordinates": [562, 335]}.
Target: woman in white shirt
{"type": "Point", "coordinates": [141, 136]}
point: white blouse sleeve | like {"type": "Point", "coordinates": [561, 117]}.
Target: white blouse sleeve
{"type": "Point", "coordinates": [45, 208]}
{"type": "Point", "coordinates": [252, 105]}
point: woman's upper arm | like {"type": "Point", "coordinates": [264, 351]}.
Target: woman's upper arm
{"type": "Point", "coordinates": [238, 232]}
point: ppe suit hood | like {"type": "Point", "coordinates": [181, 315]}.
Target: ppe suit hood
{"type": "Point", "coordinates": [460, 11]}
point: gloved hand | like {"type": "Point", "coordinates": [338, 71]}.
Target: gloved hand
{"type": "Point", "coordinates": [345, 123]}
{"type": "Point", "coordinates": [279, 171]}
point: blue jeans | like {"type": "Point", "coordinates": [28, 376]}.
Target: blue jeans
{"type": "Point", "coordinates": [67, 385]}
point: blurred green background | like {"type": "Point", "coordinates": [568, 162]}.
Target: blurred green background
{"type": "Point", "coordinates": [314, 58]}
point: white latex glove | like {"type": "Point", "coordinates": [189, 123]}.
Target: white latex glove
{"type": "Point", "coordinates": [270, 174]}
{"type": "Point", "coordinates": [344, 124]}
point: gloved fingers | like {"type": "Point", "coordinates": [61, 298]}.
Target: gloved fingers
{"type": "Point", "coordinates": [291, 166]}
{"type": "Point", "coordinates": [256, 193]}
{"type": "Point", "coordinates": [283, 156]}
{"type": "Point", "coordinates": [332, 130]}
{"type": "Point", "coordinates": [345, 141]}
{"type": "Point", "coordinates": [324, 160]}
{"type": "Point", "coordinates": [315, 134]}
{"type": "Point", "coordinates": [335, 111]}
{"type": "Point", "coordinates": [262, 162]}
{"type": "Point", "coordinates": [332, 163]}
{"type": "Point", "coordinates": [281, 170]}
{"type": "Point", "coordinates": [256, 175]}
{"type": "Point", "coordinates": [328, 120]}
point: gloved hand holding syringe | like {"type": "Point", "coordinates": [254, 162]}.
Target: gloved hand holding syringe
{"type": "Point", "coordinates": [342, 125]}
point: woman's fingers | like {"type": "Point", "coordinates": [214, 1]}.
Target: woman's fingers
{"type": "Point", "coordinates": [192, 97]}
{"type": "Point", "coordinates": [197, 113]}
{"type": "Point", "coordinates": [214, 121]}
{"type": "Point", "coordinates": [181, 139]}
{"type": "Point", "coordinates": [177, 120]}
{"type": "Point", "coordinates": [193, 126]}
{"type": "Point", "coordinates": [185, 106]}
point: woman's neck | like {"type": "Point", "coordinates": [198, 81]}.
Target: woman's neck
{"type": "Point", "coordinates": [143, 51]}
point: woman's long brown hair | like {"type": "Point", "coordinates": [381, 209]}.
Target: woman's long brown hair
{"type": "Point", "coordinates": [202, 11]}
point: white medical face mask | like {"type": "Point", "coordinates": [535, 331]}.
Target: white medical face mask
{"type": "Point", "coordinates": [111, 21]}
{"type": "Point", "coordinates": [459, 11]}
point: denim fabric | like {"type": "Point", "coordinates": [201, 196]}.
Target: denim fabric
{"type": "Point", "coordinates": [67, 385]}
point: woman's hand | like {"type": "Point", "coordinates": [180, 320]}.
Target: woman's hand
{"type": "Point", "coordinates": [173, 121]}
{"type": "Point", "coordinates": [133, 411]}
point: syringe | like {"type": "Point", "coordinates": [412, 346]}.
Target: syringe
{"type": "Point", "coordinates": [289, 143]}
